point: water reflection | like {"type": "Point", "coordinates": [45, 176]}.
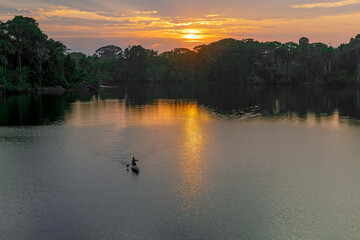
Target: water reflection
{"type": "Point", "coordinates": [160, 112]}
{"type": "Point", "coordinates": [221, 163]}
{"type": "Point", "coordinates": [330, 121]}
{"type": "Point", "coordinates": [118, 114]}
{"type": "Point", "coordinates": [193, 163]}
{"type": "Point", "coordinates": [224, 101]}
{"type": "Point", "coordinates": [97, 112]}
{"type": "Point", "coordinates": [36, 109]}
{"type": "Point", "coordinates": [191, 138]}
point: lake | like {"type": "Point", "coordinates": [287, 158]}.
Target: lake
{"type": "Point", "coordinates": [216, 162]}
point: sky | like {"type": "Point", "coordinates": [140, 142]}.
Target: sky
{"type": "Point", "coordinates": [86, 25]}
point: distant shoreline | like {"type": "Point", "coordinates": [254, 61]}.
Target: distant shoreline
{"type": "Point", "coordinates": [110, 85]}
{"type": "Point", "coordinates": [50, 90]}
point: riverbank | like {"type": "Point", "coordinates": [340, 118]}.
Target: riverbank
{"type": "Point", "coordinates": [84, 86]}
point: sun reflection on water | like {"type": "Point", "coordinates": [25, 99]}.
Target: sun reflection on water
{"type": "Point", "coordinates": [193, 158]}
{"type": "Point", "coordinates": [191, 140]}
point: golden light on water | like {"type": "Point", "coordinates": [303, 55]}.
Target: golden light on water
{"type": "Point", "coordinates": [329, 121]}
{"type": "Point", "coordinates": [170, 112]}
{"type": "Point", "coordinates": [189, 125]}
{"type": "Point", "coordinates": [116, 114]}
{"type": "Point", "coordinates": [191, 137]}
{"type": "Point", "coordinates": [192, 149]}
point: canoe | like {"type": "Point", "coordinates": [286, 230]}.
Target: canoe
{"type": "Point", "coordinates": [135, 168]}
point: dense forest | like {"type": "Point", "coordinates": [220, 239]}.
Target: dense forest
{"type": "Point", "coordinates": [238, 61]}
{"type": "Point", "coordinates": [30, 60]}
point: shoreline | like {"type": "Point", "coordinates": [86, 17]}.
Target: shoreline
{"type": "Point", "coordinates": [93, 87]}
{"type": "Point", "coordinates": [51, 90]}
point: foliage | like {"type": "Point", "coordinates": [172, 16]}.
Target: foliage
{"type": "Point", "coordinates": [109, 52]}
{"type": "Point", "coordinates": [30, 60]}
{"type": "Point", "coordinates": [240, 61]}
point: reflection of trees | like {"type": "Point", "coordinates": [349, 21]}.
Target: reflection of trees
{"type": "Point", "coordinates": [37, 109]}
{"type": "Point", "coordinates": [228, 101]}
{"type": "Point", "coordinates": [238, 100]}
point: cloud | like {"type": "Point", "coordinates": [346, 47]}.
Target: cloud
{"type": "Point", "coordinates": [156, 45]}
{"type": "Point", "coordinates": [212, 15]}
{"type": "Point", "coordinates": [145, 12]}
{"type": "Point", "coordinates": [61, 22]}
{"type": "Point", "coordinates": [69, 22]}
{"type": "Point", "coordinates": [328, 5]}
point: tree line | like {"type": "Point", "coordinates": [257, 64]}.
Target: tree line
{"type": "Point", "coordinates": [238, 61]}
{"type": "Point", "coordinates": [30, 60]}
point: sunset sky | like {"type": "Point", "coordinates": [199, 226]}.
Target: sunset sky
{"type": "Point", "coordinates": [85, 25]}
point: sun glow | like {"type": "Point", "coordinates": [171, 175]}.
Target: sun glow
{"type": "Point", "coordinates": [191, 36]}
{"type": "Point", "coordinates": [166, 32]}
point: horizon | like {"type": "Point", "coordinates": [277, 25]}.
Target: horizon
{"type": "Point", "coordinates": [161, 25]}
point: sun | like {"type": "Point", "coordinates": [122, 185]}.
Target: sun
{"type": "Point", "coordinates": [191, 36]}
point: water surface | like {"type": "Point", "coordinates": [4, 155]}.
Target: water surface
{"type": "Point", "coordinates": [216, 163]}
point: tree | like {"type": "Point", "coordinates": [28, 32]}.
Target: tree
{"type": "Point", "coordinates": [180, 61]}
{"type": "Point", "coordinates": [42, 55]}
{"type": "Point", "coordinates": [355, 47]}
{"type": "Point", "coordinates": [304, 49]}
{"type": "Point", "coordinates": [22, 30]}
{"type": "Point", "coordinates": [136, 61]}
{"type": "Point", "coordinates": [109, 52]}
{"type": "Point", "coordinates": [6, 46]}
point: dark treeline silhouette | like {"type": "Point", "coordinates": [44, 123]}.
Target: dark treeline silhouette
{"type": "Point", "coordinates": [238, 61]}
{"type": "Point", "coordinates": [29, 59]}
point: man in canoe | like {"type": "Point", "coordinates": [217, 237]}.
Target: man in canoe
{"type": "Point", "coordinates": [133, 161]}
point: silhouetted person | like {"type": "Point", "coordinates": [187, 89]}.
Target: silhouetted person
{"type": "Point", "coordinates": [133, 161]}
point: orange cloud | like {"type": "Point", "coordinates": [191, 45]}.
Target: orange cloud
{"type": "Point", "coordinates": [64, 22]}
{"type": "Point", "coordinates": [155, 45]}
{"type": "Point", "coordinates": [146, 12]}
{"type": "Point", "coordinates": [328, 5]}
